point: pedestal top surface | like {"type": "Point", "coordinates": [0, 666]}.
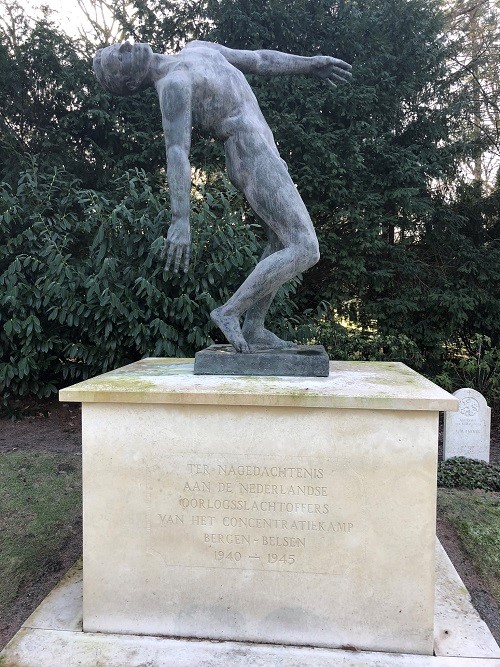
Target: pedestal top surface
{"type": "Point", "coordinates": [351, 384]}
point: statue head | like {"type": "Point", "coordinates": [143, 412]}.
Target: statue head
{"type": "Point", "coordinates": [123, 69]}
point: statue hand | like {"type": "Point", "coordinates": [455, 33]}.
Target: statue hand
{"type": "Point", "coordinates": [330, 69]}
{"type": "Point", "coordinates": [177, 248]}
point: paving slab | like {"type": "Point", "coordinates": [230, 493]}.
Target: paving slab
{"type": "Point", "coordinates": [458, 628]}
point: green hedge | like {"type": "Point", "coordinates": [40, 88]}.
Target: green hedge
{"type": "Point", "coordinates": [82, 286]}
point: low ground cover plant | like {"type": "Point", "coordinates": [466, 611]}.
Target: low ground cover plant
{"type": "Point", "coordinates": [462, 473]}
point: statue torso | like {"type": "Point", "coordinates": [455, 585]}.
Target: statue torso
{"type": "Point", "coordinates": [222, 100]}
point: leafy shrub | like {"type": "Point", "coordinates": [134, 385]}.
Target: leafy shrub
{"type": "Point", "coordinates": [345, 344]}
{"type": "Point", "coordinates": [474, 364]}
{"type": "Point", "coordinates": [462, 473]}
{"type": "Point", "coordinates": [82, 286]}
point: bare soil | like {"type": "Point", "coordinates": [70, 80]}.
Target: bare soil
{"type": "Point", "coordinates": [56, 427]}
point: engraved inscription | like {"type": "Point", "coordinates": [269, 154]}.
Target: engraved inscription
{"type": "Point", "coordinates": [240, 513]}
{"type": "Point", "coordinates": [468, 406]}
{"type": "Point", "coordinates": [169, 520]}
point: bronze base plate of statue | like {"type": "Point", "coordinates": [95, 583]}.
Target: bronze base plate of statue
{"type": "Point", "coordinates": [299, 361]}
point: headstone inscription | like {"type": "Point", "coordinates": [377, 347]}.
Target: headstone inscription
{"type": "Point", "coordinates": [467, 432]}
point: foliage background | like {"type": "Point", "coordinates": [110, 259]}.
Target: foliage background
{"type": "Point", "coordinates": [410, 244]}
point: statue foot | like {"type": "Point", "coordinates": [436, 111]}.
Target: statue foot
{"type": "Point", "coordinates": [263, 339]}
{"type": "Point", "coordinates": [230, 327]}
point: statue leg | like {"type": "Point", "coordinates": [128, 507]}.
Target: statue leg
{"type": "Point", "coordinates": [256, 168]}
{"type": "Point", "coordinates": [253, 329]}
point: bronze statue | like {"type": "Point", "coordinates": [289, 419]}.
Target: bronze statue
{"type": "Point", "coordinates": [204, 86]}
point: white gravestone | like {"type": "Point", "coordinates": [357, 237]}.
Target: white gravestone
{"type": "Point", "coordinates": [467, 432]}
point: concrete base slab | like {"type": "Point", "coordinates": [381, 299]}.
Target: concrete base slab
{"type": "Point", "coordinates": [300, 361]}
{"type": "Point", "coordinates": [458, 628]}
{"type": "Point", "coordinates": [52, 637]}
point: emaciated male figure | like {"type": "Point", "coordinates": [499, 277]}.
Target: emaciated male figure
{"type": "Point", "coordinates": [204, 86]}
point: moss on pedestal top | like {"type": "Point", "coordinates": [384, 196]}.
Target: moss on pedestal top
{"type": "Point", "coordinates": [351, 384]}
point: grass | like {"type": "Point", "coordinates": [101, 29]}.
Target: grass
{"type": "Point", "coordinates": [475, 515]}
{"type": "Point", "coordinates": [40, 500]}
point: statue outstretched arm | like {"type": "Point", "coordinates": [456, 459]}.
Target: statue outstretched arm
{"type": "Point", "coordinates": [275, 63]}
{"type": "Point", "coordinates": [175, 103]}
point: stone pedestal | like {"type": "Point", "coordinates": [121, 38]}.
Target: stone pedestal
{"type": "Point", "coordinates": [281, 510]}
